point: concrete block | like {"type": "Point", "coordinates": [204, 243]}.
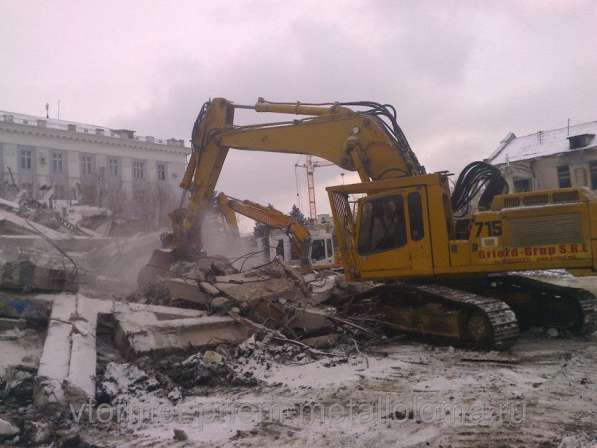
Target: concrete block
{"type": "Point", "coordinates": [310, 320]}
{"type": "Point", "coordinates": [136, 339]}
{"type": "Point", "coordinates": [251, 292]}
{"type": "Point", "coordinates": [187, 290]}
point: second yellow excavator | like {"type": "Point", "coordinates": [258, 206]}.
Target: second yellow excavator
{"type": "Point", "coordinates": [312, 248]}
{"type": "Point", "coordinates": [446, 270]}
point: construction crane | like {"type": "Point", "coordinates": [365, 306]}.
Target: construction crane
{"type": "Point", "coordinates": [310, 166]}
{"type": "Point", "coordinates": [443, 266]}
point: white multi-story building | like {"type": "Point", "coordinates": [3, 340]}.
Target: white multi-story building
{"type": "Point", "coordinates": [86, 163]}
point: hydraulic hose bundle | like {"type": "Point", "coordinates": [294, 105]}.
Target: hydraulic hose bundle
{"type": "Point", "coordinates": [474, 178]}
{"type": "Point", "coordinates": [386, 115]}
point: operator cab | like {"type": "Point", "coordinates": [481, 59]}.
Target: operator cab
{"type": "Point", "coordinates": [322, 248]}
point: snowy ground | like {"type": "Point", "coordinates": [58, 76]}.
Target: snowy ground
{"type": "Point", "coordinates": [543, 393]}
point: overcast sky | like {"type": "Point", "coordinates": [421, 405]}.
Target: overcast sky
{"type": "Point", "coordinates": [461, 74]}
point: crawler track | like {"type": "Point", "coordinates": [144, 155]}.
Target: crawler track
{"type": "Point", "coordinates": [502, 320]}
{"type": "Point", "coordinates": [550, 305]}
{"type": "Point", "coordinates": [483, 313]}
{"type": "Point", "coordinates": [448, 315]}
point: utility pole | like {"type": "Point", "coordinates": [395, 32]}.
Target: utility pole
{"type": "Point", "coordinates": [310, 166]}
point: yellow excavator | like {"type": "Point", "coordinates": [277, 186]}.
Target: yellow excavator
{"type": "Point", "coordinates": [314, 250]}
{"type": "Point", "coordinates": [299, 235]}
{"type": "Point", "coordinates": [446, 270]}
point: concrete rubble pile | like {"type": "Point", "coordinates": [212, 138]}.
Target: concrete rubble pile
{"type": "Point", "coordinates": [198, 325]}
{"type": "Point", "coordinates": [189, 328]}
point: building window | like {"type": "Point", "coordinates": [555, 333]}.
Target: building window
{"type": "Point", "coordinates": [138, 169]}
{"type": "Point", "coordinates": [139, 195]}
{"type": "Point", "coordinates": [86, 164]}
{"type": "Point", "coordinates": [564, 176]}
{"type": "Point", "coordinates": [57, 163]}
{"type": "Point", "coordinates": [114, 167]}
{"type": "Point", "coordinates": [26, 158]}
{"type": "Point", "coordinates": [161, 171]}
{"type": "Point", "coordinates": [522, 185]}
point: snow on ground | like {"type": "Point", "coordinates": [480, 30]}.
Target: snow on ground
{"type": "Point", "coordinates": [405, 395]}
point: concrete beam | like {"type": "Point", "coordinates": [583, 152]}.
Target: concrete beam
{"type": "Point", "coordinates": [136, 338]}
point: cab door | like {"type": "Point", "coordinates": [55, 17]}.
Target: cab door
{"type": "Point", "coordinates": [393, 234]}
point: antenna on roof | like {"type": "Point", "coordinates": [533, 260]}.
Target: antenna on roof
{"type": "Point", "coordinates": [47, 110]}
{"type": "Point", "coordinates": [568, 127]}
{"type": "Point", "coordinates": [59, 109]}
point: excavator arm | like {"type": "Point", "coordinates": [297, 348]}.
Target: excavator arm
{"type": "Point", "coordinates": [298, 234]}
{"type": "Point", "coordinates": [369, 142]}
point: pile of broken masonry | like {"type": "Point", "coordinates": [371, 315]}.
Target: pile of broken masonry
{"type": "Point", "coordinates": [186, 330]}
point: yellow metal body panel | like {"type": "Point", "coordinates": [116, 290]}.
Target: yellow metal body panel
{"type": "Point", "coordinates": [560, 234]}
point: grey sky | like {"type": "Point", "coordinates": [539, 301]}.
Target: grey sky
{"type": "Point", "coordinates": [461, 74]}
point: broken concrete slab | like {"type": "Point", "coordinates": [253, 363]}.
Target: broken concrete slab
{"type": "Point", "coordinates": [310, 320]}
{"type": "Point", "coordinates": [136, 338]}
{"type": "Point", "coordinates": [252, 292]}
{"type": "Point", "coordinates": [70, 244]}
{"type": "Point", "coordinates": [67, 367]}
{"type": "Point", "coordinates": [187, 290]}
{"type": "Point", "coordinates": [13, 223]}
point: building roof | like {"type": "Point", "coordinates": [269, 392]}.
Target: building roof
{"type": "Point", "coordinates": [541, 143]}
{"type": "Point", "coordinates": [126, 137]}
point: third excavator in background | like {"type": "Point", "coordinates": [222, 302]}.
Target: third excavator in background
{"type": "Point", "coordinates": [446, 271]}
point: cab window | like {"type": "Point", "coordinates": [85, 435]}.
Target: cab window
{"type": "Point", "coordinates": [383, 226]}
{"type": "Point", "coordinates": [415, 216]}
{"type": "Point", "coordinates": [317, 250]}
